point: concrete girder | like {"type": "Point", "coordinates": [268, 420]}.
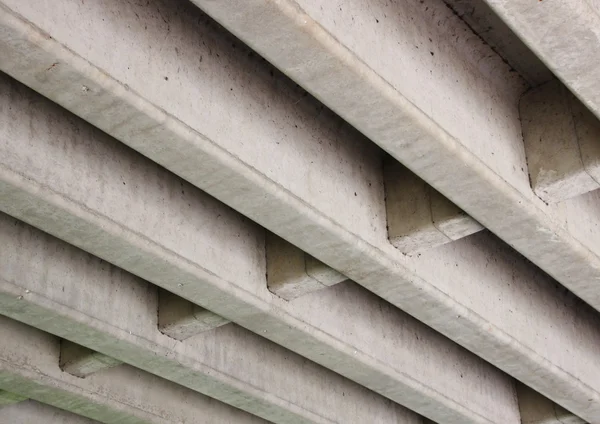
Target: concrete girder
{"type": "Point", "coordinates": [81, 361]}
{"type": "Point", "coordinates": [124, 395]}
{"type": "Point", "coordinates": [9, 398]}
{"type": "Point", "coordinates": [305, 215]}
{"type": "Point", "coordinates": [108, 200]}
{"type": "Point", "coordinates": [413, 78]}
{"type": "Point", "coordinates": [536, 409]}
{"type": "Point", "coordinates": [33, 412]}
{"type": "Point", "coordinates": [54, 286]}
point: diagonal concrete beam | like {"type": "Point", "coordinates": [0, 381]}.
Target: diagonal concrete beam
{"type": "Point", "coordinates": [81, 361]}
{"type": "Point", "coordinates": [564, 34]}
{"type": "Point", "coordinates": [53, 286]}
{"type": "Point", "coordinates": [443, 103]}
{"type": "Point", "coordinates": [300, 197]}
{"type": "Point", "coordinates": [9, 398]}
{"type": "Point", "coordinates": [124, 395]}
{"type": "Point", "coordinates": [107, 199]}
{"type": "Point", "coordinates": [34, 412]}
{"type": "Point", "coordinates": [561, 142]}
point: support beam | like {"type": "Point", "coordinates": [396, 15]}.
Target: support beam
{"type": "Point", "coordinates": [53, 286]}
{"type": "Point", "coordinates": [322, 204]}
{"type": "Point", "coordinates": [81, 361]}
{"type": "Point", "coordinates": [564, 34]}
{"type": "Point", "coordinates": [108, 200]}
{"type": "Point", "coordinates": [291, 273]}
{"type": "Point", "coordinates": [123, 395]}
{"type": "Point", "coordinates": [180, 319]}
{"type": "Point", "coordinates": [561, 142]}
{"type": "Point", "coordinates": [419, 218]}
{"type": "Point", "coordinates": [9, 398]}
{"type": "Point", "coordinates": [413, 78]}
{"type": "Point", "coordinates": [32, 412]}
{"type": "Point", "coordinates": [536, 409]}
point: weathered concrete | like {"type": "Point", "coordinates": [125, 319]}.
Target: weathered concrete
{"type": "Point", "coordinates": [536, 409]}
{"type": "Point", "coordinates": [419, 218]}
{"type": "Point", "coordinates": [565, 35]}
{"type": "Point", "coordinates": [181, 319]}
{"type": "Point", "coordinates": [54, 286]}
{"type": "Point", "coordinates": [32, 412]}
{"type": "Point", "coordinates": [413, 78]}
{"type": "Point", "coordinates": [9, 398]}
{"type": "Point", "coordinates": [108, 200]}
{"type": "Point", "coordinates": [488, 25]}
{"type": "Point", "coordinates": [561, 141]}
{"type": "Point", "coordinates": [292, 273]}
{"type": "Point", "coordinates": [81, 361]}
{"type": "Point", "coordinates": [123, 395]}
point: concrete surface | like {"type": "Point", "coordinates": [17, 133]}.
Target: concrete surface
{"type": "Point", "coordinates": [9, 398]}
{"type": "Point", "coordinates": [210, 255]}
{"type": "Point", "coordinates": [415, 80]}
{"type": "Point", "coordinates": [292, 273]}
{"type": "Point", "coordinates": [122, 395]}
{"type": "Point", "coordinates": [536, 409]}
{"type": "Point", "coordinates": [32, 412]}
{"type": "Point", "coordinates": [418, 217]}
{"type": "Point", "coordinates": [561, 143]}
{"type": "Point", "coordinates": [181, 319]}
{"type": "Point", "coordinates": [81, 361]}
{"type": "Point", "coordinates": [565, 35]}
{"type": "Point", "coordinates": [54, 286]}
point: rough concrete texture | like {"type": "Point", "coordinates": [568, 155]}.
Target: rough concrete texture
{"type": "Point", "coordinates": [54, 286]}
{"type": "Point", "coordinates": [536, 409]}
{"type": "Point", "coordinates": [122, 395]}
{"type": "Point", "coordinates": [81, 361]}
{"type": "Point", "coordinates": [565, 36]}
{"type": "Point", "coordinates": [419, 218]}
{"type": "Point", "coordinates": [415, 80]}
{"type": "Point", "coordinates": [554, 138]}
{"type": "Point", "coordinates": [488, 25]}
{"type": "Point", "coordinates": [181, 319]}
{"type": "Point", "coordinates": [9, 398]}
{"type": "Point", "coordinates": [32, 412]}
{"type": "Point", "coordinates": [292, 273]}
{"type": "Point", "coordinates": [111, 204]}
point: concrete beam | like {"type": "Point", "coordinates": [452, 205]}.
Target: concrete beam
{"type": "Point", "coordinates": [125, 395]}
{"type": "Point", "coordinates": [419, 218]}
{"type": "Point", "coordinates": [564, 35]}
{"type": "Point", "coordinates": [326, 196]}
{"type": "Point", "coordinates": [561, 142]}
{"type": "Point", "coordinates": [440, 101]}
{"type": "Point", "coordinates": [536, 409]}
{"type": "Point", "coordinates": [180, 319]}
{"type": "Point", "coordinates": [9, 398]}
{"type": "Point", "coordinates": [53, 286]}
{"type": "Point", "coordinates": [34, 412]}
{"type": "Point", "coordinates": [292, 273]}
{"type": "Point", "coordinates": [81, 361]}
{"type": "Point", "coordinates": [210, 255]}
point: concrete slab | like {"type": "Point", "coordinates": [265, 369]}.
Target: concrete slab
{"type": "Point", "coordinates": [111, 203]}
{"type": "Point", "coordinates": [561, 142]}
{"type": "Point", "coordinates": [81, 361]}
{"type": "Point", "coordinates": [123, 395]}
{"type": "Point", "coordinates": [180, 319]}
{"type": "Point", "coordinates": [32, 412]}
{"type": "Point", "coordinates": [54, 286]}
{"type": "Point", "coordinates": [419, 218]}
{"type": "Point", "coordinates": [9, 398]}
